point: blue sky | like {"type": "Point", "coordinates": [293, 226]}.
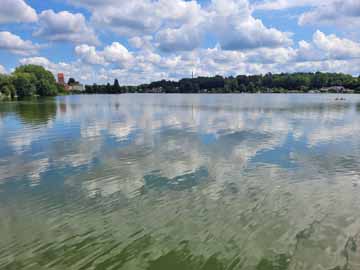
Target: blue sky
{"type": "Point", "coordinates": [144, 40]}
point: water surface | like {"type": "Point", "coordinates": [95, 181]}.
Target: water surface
{"type": "Point", "coordinates": [253, 182]}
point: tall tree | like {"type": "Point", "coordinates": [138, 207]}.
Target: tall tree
{"type": "Point", "coordinates": [71, 81]}
{"type": "Point", "coordinates": [116, 87]}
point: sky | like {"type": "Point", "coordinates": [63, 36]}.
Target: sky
{"type": "Point", "coordinates": [139, 41]}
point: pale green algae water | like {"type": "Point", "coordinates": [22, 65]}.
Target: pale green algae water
{"type": "Point", "coordinates": [253, 182]}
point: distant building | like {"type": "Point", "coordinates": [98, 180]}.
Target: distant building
{"type": "Point", "coordinates": [61, 78]}
{"type": "Point", "coordinates": [72, 85]}
{"type": "Point", "coordinates": [77, 87]}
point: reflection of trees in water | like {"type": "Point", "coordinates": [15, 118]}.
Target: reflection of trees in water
{"type": "Point", "coordinates": [31, 111]}
{"type": "Point", "coordinates": [35, 112]}
{"type": "Point", "coordinates": [5, 109]}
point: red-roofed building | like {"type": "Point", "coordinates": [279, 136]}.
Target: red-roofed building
{"type": "Point", "coordinates": [61, 78]}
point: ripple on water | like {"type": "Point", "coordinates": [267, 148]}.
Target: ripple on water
{"type": "Point", "coordinates": [253, 182]}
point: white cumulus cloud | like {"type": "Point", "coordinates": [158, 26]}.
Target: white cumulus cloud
{"type": "Point", "coordinates": [185, 38]}
{"type": "Point", "coordinates": [237, 29]}
{"type": "Point", "coordinates": [2, 70]}
{"type": "Point", "coordinates": [286, 4]}
{"type": "Point", "coordinates": [327, 47]}
{"type": "Point", "coordinates": [89, 55]}
{"type": "Point", "coordinates": [65, 26]}
{"type": "Point", "coordinates": [116, 53]}
{"type": "Point", "coordinates": [345, 13]}
{"type": "Point", "coordinates": [335, 47]}
{"type": "Point", "coordinates": [16, 11]}
{"type": "Point", "coordinates": [15, 44]}
{"type": "Point", "coordinates": [140, 17]}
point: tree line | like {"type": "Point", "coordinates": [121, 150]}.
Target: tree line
{"type": "Point", "coordinates": [278, 83]}
{"type": "Point", "coordinates": [28, 81]}
{"type": "Point", "coordinates": [33, 80]}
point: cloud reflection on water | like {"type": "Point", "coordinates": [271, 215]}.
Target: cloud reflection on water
{"type": "Point", "coordinates": [244, 173]}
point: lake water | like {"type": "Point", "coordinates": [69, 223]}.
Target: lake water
{"type": "Point", "coordinates": [178, 182]}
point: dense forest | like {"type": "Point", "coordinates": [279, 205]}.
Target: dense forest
{"type": "Point", "coordinates": [28, 81]}
{"type": "Point", "coordinates": [272, 83]}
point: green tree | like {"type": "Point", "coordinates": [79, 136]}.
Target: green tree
{"type": "Point", "coordinates": [6, 86]}
{"type": "Point", "coordinates": [108, 88]}
{"type": "Point", "coordinates": [4, 79]}
{"type": "Point", "coordinates": [242, 88]}
{"type": "Point", "coordinates": [39, 72]}
{"type": "Point", "coordinates": [71, 81]}
{"type": "Point", "coordinates": [8, 90]}
{"type": "Point", "coordinates": [252, 87]}
{"type": "Point", "coordinates": [268, 80]}
{"type": "Point", "coordinates": [319, 80]}
{"type": "Point", "coordinates": [231, 84]}
{"type": "Point", "coordinates": [60, 88]}
{"type": "Point", "coordinates": [24, 84]}
{"type": "Point", "coordinates": [45, 88]}
{"type": "Point", "coordinates": [32, 79]}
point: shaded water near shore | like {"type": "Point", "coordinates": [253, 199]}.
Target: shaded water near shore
{"type": "Point", "coordinates": [254, 182]}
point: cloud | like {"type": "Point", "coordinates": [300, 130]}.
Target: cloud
{"type": "Point", "coordinates": [2, 70]}
{"type": "Point", "coordinates": [271, 56]}
{"type": "Point", "coordinates": [143, 42]}
{"type": "Point", "coordinates": [327, 47]}
{"type": "Point", "coordinates": [115, 53]}
{"type": "Point", "coordinates": [124, 18]}
{"type": "Point", "coordinates": [339, 13]}
{"type": "Point", "coordinates": [185, 26]}
{"type": "Point", "coordinates": [89, 55]}
{"type": "Point", "coordinates": [41, 61]}
{"type": "Point", "coordinates": [307, 52]}
{"type": "Point", "coordinates": [336, 48]}
{"type": "Point", "coordinates": [141, 17]}
{"type": "Point", "coordinates": [185, 38]}
{"type": "Point", "coordinates": [182, 25]}
{"type": "Point", "coordinates": [286, 4]}
{"type": "Point", "coordinates": [179, 12]}
{"type": "Point", "coordinates": [336, 66]}
{"type": "Point", "coordinates": [237, 29]}
{"type": "Point", "coordinates": [65, 26]}
{"type": "Point", "coordinates": [345, 13]}
{"type": "Point", "coordinates": [16, 11]}
{"type": "Point", "coordinates": [16, 45]}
